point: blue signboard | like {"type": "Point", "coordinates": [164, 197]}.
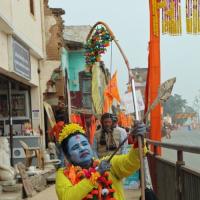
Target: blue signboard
{"type": "Point", "coordinates": [21, 60]}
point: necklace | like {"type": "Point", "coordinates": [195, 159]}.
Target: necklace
{"type": "Point", "coordinates": [103, 189]}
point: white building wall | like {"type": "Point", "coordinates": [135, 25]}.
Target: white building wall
{"type": "Point", "coordinates": [5, 10]}
{"type": "Point", "coordinates": [6, 63]}
{"type": "Point", "coordinates": [26, 25]}
{"type": "Point", "coordinates": [3, 51]}
{"type": "Point", "coordinates": [34, 71]}
{"type": "Point", "coordinates": [35, 106]}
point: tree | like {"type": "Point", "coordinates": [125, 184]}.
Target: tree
{"type": "Point", "coordinates": [175, 104]}
{"type": "Point", "coordinates": [196, 105]}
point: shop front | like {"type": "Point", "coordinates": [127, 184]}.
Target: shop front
{"type": "Point", "coordinates": [15, 116]}
{"type": "Point", "coordinates": [20, 116]}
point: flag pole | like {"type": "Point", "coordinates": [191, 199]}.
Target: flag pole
{"type": "Point", "coordinates": [67, 98]}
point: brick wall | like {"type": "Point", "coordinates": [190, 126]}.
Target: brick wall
{"type": "Point", "coordinates": [54, 31]}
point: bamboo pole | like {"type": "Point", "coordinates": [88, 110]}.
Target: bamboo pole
{"type": "Point", "coordinates": [134, 102]}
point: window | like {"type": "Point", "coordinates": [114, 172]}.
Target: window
{"type": "Point", "coordinates": [85, 87]}
{"type": "Point", "coordinates": [20, 103]}
{"type": "Point", "coordinates": [32, 7]}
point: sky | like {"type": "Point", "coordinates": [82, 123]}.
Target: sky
{"type": "Point", "coordinates": [129, 20]}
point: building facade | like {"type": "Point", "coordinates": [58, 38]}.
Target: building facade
{"type": "Point", "coordinates": [22, 51]}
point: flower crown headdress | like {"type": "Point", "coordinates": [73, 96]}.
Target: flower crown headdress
{"type": "Point", "coordinates": [68, 130]}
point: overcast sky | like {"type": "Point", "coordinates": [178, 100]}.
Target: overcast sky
{"type": "Point", "coordinates": [129, 20]}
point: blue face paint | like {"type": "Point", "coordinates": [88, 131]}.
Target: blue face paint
{"type": "Point", "coordinates": [79, 150]}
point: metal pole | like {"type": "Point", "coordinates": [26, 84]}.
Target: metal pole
{"type": "Point", "coordinates": [67, 99]}
{"type": "Point", "coordinates": [179, 163]}
{"type": "Point", "coordinates": [10, 122]}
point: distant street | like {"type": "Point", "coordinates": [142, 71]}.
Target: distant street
{"type": "Point", "coordinates": [184, 137]}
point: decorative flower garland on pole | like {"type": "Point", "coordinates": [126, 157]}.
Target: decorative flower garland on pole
{"type": "Point", "coordinates": [193, 16]}
{"type": "Point", "coordinates": [96, 45]}
{"type": "Point", "coordinates": [171, 17]}
{"type": "Point", "coordinates": [90, 62]}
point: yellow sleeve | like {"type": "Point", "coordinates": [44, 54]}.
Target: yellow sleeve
{"type": "Point", "coordinates": [66, 191]}
{"type": "Point", "coordinates": [124, 165]}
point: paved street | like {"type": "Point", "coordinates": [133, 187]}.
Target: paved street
{"type": "Point", "coordinates": [50, 194]}
{"type": "Point", "coordinates": [184, 137]}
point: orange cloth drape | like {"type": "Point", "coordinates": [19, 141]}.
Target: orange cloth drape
{"type": "Point", "coordinates": [154, 74]}
{"type": "Point", "coordinates": [92, 129]}
{"type": "Point", "coordinates": [76, 118]}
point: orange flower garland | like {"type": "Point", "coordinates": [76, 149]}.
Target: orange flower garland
{"type": "Point", "coordinates": [103, 191]}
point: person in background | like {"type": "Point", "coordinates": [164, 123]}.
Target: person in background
{"type": "Point", "coordinates": [87, 178]}
{"type": "Point", "coordinates": [59, 112]}
{"type": "Point", "coordinates": [167, 121]}
{"type": "Point", "coordinates": [54, 133]}
{"type": "Point", "coordinates": [107, 138]}
{"type": "Point", "coordinates": [60, 118]}
{"type": "Point", "coordinates": [123, 133]}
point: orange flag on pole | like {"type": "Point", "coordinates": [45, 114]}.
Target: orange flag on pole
{"type": "Point", "coordinates": [108, 99]}
{"type": "Point", "coordinates": [111, 92]}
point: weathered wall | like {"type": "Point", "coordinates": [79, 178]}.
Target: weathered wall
{"type": "Point", "coordinates": [45, 73]}
{"type": "Point", "coordinates": [53, 31]}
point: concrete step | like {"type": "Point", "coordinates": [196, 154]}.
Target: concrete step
{"type": "Point", "coordinates": [51, 178]}
{"type": "Point", "coordinates": [10, 196]}
{"type": "Point", "coordinates": [132, 194]}
{"type": "Point", "coordinates": [12, 188]}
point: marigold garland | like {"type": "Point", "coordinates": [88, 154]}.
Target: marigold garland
{"type": "Point", "coordinates": [103, 189]}
{"type": "Point", "coordinates": [193, 16]}
{"type": "Point", "coordinates": [171, 17]}
{"type": "Point", "coordinates": [68, 130]}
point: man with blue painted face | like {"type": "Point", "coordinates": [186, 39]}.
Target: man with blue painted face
{"type": "Point", "coordinates": [87, 178]}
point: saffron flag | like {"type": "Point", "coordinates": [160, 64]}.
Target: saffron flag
{"type": "Point", "coordinates": [111, 92]}
{"type": "Point", "coordinates": [108, 99]}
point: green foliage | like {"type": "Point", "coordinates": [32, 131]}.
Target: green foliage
{"type": "Point", "coordinates": [196, 104]}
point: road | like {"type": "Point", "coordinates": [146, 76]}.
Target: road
{"type": "Point", "coordinates": [184, 137]}
{"type": "Point", "coordinates": [50, 194]}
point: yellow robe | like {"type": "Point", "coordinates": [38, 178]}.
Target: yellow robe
{"type": "Point", "coordinates": [121, 167]}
